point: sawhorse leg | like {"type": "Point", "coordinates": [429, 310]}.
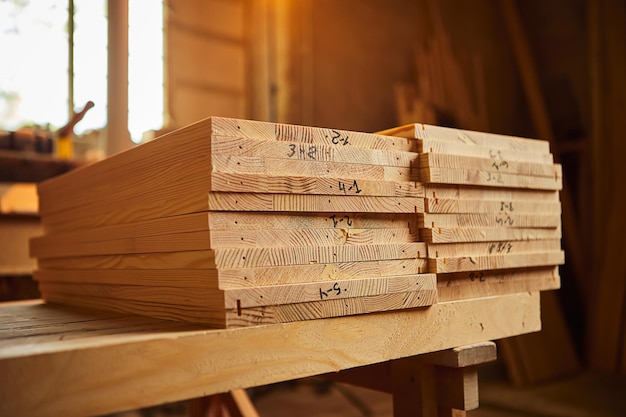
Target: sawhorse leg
{"type": "Point", "coordinates": [437, 384]}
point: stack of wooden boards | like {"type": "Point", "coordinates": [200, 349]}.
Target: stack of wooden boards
{"type": "Point", "coordinates": [492, 218]}
{"type": "Point", "coordinates": [232, 223]}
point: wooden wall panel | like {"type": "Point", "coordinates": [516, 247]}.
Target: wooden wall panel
{"type": "Point", "coordinates": [207, 58]}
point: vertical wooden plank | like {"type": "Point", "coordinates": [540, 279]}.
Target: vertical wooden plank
{"type": "Point", "coordinates": [414, 388]}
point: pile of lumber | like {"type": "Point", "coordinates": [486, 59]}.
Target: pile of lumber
{"type": "Point", "coordinates": [492, 218]}
{"type": "Point", "coordinates": [232, 223]}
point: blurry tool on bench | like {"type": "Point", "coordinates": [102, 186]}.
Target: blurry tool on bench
{"type": "Point", "coordinates": [65, 146]}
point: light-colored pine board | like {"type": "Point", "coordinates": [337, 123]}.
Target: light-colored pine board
{"type": "Point", "coordinates": [306, 134]}
{"type": "Point", "coordinates": [181, 278]}
{"type": "Point", "coordinates": [472, 176]}
{"type": "Point", "coordinates": [437, 146]}
{"type": "Point", "coordinates": [481, 263]}
{"type": "Point", "coordinates": [445, 205]}
{"type": "Point", "coordinates": [155, 205]}
{"type": "Point", "coordinates": [314, 203]}
{"type": "Point", "coordinates": [332, 290]}
{"type": "Point", "coordinates": [205, 315]}
{"type": "Point", "coordinates": [236, 258]}
{"type": "Point", "coordinates": [242, 183]}
{"type": "Point", "coordinates": [288, 313]}
{"type": "Point", "coordinates": [168, 158]}
{"type": "Point", "coordinates": [156, 208]}
{"type": "Point", "coordinates": [479, 193]}
{"type": "Point", "coordinates": [451, 250]}
{"type": "Point", "coordinates": [307, 168]}
{"type": "Point", "coordinates": [225, 278]}
{"type": "Point", "coordinates": [97, 372]}
{"type": "Point", "coordinates": [298, 220]}
{"type": "Point", "coordinates": [247, 297]}
{"type": "Point", "coordinates": [470, 138]}
{"type": "Point", "coordinates": [252, 316]}
{"type": "Point", "coordinates": [462, 356]}
{"type": "Point", "coordinates": [246, 147]}
{"type": "Point", "coordinates": [486, 234]}
{"type": "Point", "coordinates": [51, 246]}
{"type": "Point", "coordinates": [499, 165]}
{"type": "Point", "coordinates": [473, 220]}
{"type": "Point", "coordinates": [480, 284]}
{"type": "Point", "coordinates": [199, 259]}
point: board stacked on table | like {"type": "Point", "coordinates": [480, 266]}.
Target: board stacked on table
{"type": "Point", "coordinates": [492, 218]}
{"type": "Point", "coordinates": [230, 223]}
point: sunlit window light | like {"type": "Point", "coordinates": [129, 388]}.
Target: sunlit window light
{"type": "Point", "coordinates": [90, 62]}
{"type": "Point", "coordinates": [33, 74]}
{"type": "Point", "coordinates": [145, 67]}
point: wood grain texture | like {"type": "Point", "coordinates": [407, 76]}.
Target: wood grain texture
{"type": "Point", "coordinates": [314, 203]}
{"type": "Point", "coordinates": [481, 263]}
{"type": "Point", "coordinates": [209, 315]}
{"type": "Point", "coordinates": [295, 167]}
{"type": "Point", "coordinates": [210, 296]}
{"type": "Point", "coordinates": [504, 220]}
{"type": "Point", "coordinates": [478, 193]}
{"type": "Point", "coordinates": [243, 183]}
{"type": "Point", "coordinates": [306, 134]}
{"type": "Point", "coordinates": [487, 179]}
{"type": "Point", "coordinates": [479, 234]}
{"type": "Point", "coordinates": [297, 151]}
{"type": "Point", "coordinates": [112, 362]}
{"type": "Point", "coordinates": [495, 164]}
{"type": "Point", "coordinates": [51, 246]}
{"type": "Point", "coordinates": [240, 258]}
{"type": "Point", "coordinates": [444, 205]}
{"type": "Point", "coordinates": [448, 250]}
{"type": "Point", "coordinates": [480, 284]}
{"type": "Point", "coordinates": [470, 138]}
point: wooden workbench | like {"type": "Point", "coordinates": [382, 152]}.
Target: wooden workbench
{"type": "Point", "coordinates": [60, 361]}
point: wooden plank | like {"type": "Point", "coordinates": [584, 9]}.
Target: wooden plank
{"type": "Point", "coordinates": [156, 208]}
{"type": "Point", "coordinates": [480, 284]}
{"type": "Point", "coordinates": [236, 258]}
{"type": "Point", "coordinates": [305, 168]}
{"type": "Point", "coordinates": [231, 258]}
{"type": "Point", "coordinates": [242, 183]}
{"type": "Point", "coordinates": [473, 220]}
{"type": "Point", "coordinates": [300, 220]}
{"type": "Point", "coordinates": [227, 278]}
{"type": "Point", "coordinates": [471, 138]}
{"type": "Point", "coordinates": [488, 179]}
{"type": "Point", "coordinates": [481, 263]}
{"type": "Point", "coordinates": [462, 356]}
{"type": "Point", "coordinates": [314, 203]}
{"type": "Point", "coordinates": [215, 298]}
{"type": "Point", "coordinates": [51, 246]}
{"type": "Point", "coordinates": [332, 290]}
{"type": "Point", "coordinates": [479, 193]}
{"type": "Point", "coordinates": [446, 205]}
{"type": "Point", "coordinates": [232, 221]}
{"type": "Point", "coordinates": [480, 234]}
{"type": "Point", "coordinates": [306, 134]}
{"type": "Point", "coordinates": [98, 373]}
{"type": "Point", "coordinates": [440, 160]}
{"type": "Point", "coordinates": [448, 250]}
{"type": "Point", "coordinates": [253, 316]}
{"type": "Point", "coordinates": [241, 147]}
{"type": "Point", "coordinates": [497, 155]}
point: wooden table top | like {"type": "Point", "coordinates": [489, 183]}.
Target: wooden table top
{"type": "Point", "coordinates": [56, 360]}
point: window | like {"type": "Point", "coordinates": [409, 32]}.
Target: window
{"type": "Point", "coordinates": [35, 85]}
